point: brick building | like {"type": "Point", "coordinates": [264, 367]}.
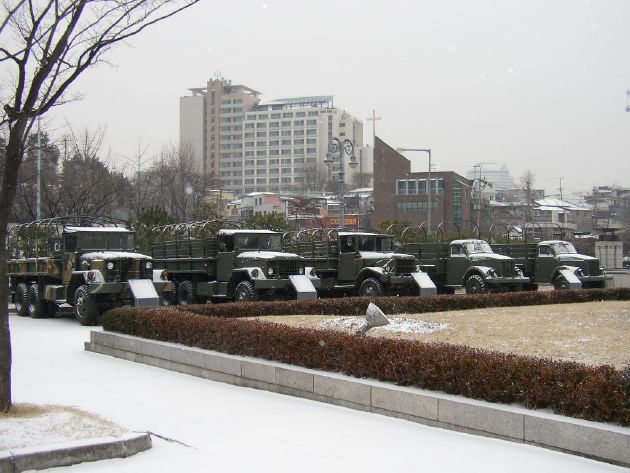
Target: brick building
{"type": "Point", "coordinates": [402, 195]}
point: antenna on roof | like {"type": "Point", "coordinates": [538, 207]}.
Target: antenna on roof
{"type": "Point", "coordinates": [628, 102]}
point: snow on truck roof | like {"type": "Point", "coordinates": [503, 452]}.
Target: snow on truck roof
{"type": "Point", "coordinates": [237, 231]}
{"type": "Point", "coordinates": [96, 229]}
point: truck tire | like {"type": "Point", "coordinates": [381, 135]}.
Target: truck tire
{"type": "Point", "coordinates": [186, 293]}
{"type": "Point", "coordinates": [371, 287]}
{"type": "Point", "coordinates": [169, 297]}
{"type": "Point", "coordinates": [475, 285]}
{"type": "Point", "coordinates": [245, 292]}
{"type": "Point", "coordinates": [21, 299]}
{"type": "Point", "coordinates": [37, 307]}
{"type": "Point", "coordinates": [560, 284]}
{"type": "Point", "coordinates": [85, 307]}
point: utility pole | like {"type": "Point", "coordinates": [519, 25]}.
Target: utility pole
{"type": "Point", "coordinates": [561, 187]}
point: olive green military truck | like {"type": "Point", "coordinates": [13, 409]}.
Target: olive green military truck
{"type": "Point", "coordinates": [467, 263]}
{"type": "Point", "coordinates": [205, 262]}
{"type": "Point", "coordinates": [555, 262]}
{"type": "Point", "coordinates": [86, 262]}
{"type": "Point", "coordinates": [358, 263]}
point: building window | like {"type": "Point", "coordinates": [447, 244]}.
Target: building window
{"type": "Point", "coordinates": [248, 135]}
{"type": "Point", "coordinates": [274, 152]}
{"type": "Point", "coordinates": [287, 115]}
{"type": "Point", "coordinates": [298, 141]}
{"type": "Point", "coordinates": [311, 150]}
{"type": "Point", "coordinates": [298, 123]}
{"type": "Point", "coordinates": [286, 132]}
{"type": "Point", "coordinates": [286, 161]}
{"type": "Point", "coordinates": [298, 133]}
{"type": "Point", "coordinates": [261, 125]}
{"type": "Point", "coordinates": [274, 125]}
{"type": "Point", "coordinates": [313, 114]}
{"type": "Point", "coordinates": [261, 134]}
{"type": "Point", "coordinates": [261, 152]}
{"type": "Point", "coordinates": [415, 206]}
{"type": "Point", "coordinates": [284, 152]}
{"type": "Point", "coordinates": [286, 124]}
{"type": "Point", "coordinates": [249, 125]}
{"type": "Point", "coordinates": [311, 141]}
{"type": "Point", "coordinates": [311, 122]}
{"type": "Point", "coordinates": [275, 115]}
{"type": "Point", "coordinates": [300, 114]}
{"type": "Point", "coordinates": [263, 116]}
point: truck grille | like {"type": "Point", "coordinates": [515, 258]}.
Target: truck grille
{"type": "Point", "coordinates": [405, 266]}
{"type": "Point", "coordinates": [288, 268]}
{"type": "Point", "coordinates": [507, 268]}
{"type": "Point", "coordinates": [124, 270]}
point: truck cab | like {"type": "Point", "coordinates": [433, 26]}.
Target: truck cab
{"type": "Point", "coordinates": [555, 256]}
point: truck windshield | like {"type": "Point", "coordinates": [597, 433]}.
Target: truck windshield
{"type": "Point", "coordinates": [375, 243]}
{"type": "Point", "coordinates": [478, 246]}
{"type": "Point", "coordinates": [265, 242]}
{"type": "Point", "coordinates": [563, 248]}
{"type": "Point", "coordinates": [271, 242]}
{"type": "Point", "coordinates": [121, 241]}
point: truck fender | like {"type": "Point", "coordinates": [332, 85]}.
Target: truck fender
{"type": "Point", "coordinates": [369, 272]}
{"type": "Point", "coordinates": [574, 269]}
{"type": "Point", "coordinates": [252, 273]}
{"type": "Point", "coordinates": [483, 271]}
{"type": "Point", "coordinates": [92, 276]}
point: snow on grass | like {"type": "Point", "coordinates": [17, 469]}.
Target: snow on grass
{"type": "Point", "coordinates": [28, 425]}
{"type": "Point", "coordinates": [396, 324]}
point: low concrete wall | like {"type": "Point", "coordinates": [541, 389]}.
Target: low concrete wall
{"type": "Point", "coordinates": [620, 278]}
{"type": "Point", "coordinates": [71, 453]}
{"type": "Point", "coordinates": [604, 442]}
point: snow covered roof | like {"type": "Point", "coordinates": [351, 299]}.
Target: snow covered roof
{"type": "Point", "coordinates": [548, 208]}
{"type": "Point", "coordinates": [96, 229]}
{"type": "Point", "coordinates": [555, 202]}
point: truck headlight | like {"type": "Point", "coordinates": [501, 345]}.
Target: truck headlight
{"type": "Point", "coordinates": [270, 271]}
{"type": "Point", "coordinates": [300, 270]}
{"type": "Point", "coordinates": [91, 276]}
{"type": "Point", "coordinates": [148, 265]}
{"type": "Point", "coordinates": [110, 265]}
{"type": "Point", "coordinates": [492, 273]}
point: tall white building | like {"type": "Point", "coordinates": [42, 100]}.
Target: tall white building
{"type": "Point", "coordinates": [274, 146]}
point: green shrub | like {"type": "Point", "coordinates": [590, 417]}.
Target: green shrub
{"type": "Point", "coordinates": [401, 305]}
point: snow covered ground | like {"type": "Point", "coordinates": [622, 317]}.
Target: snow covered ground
{"type": "Point", "coordinates": [219, 427]}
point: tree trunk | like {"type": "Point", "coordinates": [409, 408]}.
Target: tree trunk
{"type": "Point", "coordinates": [13, 158]}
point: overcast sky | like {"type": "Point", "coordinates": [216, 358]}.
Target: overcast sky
{"type": "Point", "coordinates": [534, 84]}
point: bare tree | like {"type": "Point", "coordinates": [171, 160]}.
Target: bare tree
{"type": "Point", "coordinates": [315, 178]}
{"type": "Point", "coordinates": [179, 184]}
{"type": "Point", "coordinates": [45, 45]}
{"type": "Point", "coordinates": [527, 185]}
{"type": "Point", "coordinates": [362, 179]}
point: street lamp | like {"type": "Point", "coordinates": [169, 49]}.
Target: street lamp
{"type": "Point", "coordinates": [337, 149]}
{"type": "Point", "coordinates": [428, 151]}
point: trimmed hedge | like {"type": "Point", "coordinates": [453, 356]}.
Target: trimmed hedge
{"type": "Point", "coordinates": [402, 305]}
{"type": "Point", "coordinates": [593, 393]}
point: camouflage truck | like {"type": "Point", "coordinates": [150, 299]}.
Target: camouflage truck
{"type": "Point", "coordinates": [204, 262]}
{"type": "Point", "coordinates": [554, 262]}
{"type": "Point", "coordinates": [467, 263]}
{"type": "Point", "coordinates": [359, 263]}
{"type": "Point", "coordinates": [88, 263]}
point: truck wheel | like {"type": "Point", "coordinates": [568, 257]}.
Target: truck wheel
{"type": "Point", "coordinates": [186, 293]}
{"type": "Point", "coordinates": [37, 308]}
{"type": "Point", "coordinates": [560, 284]}
{"type": "Point", "coordinates": [371, 287]}
{"type": "Point", "coordinates": [476, 285]}
{"type": "Point", "coordinates": [169, 297]}
{"type": "Point", "coordinates": [21, 299]}
{"type": "Point", "coordinates": [85, 308]}
{"type": "Point", "coordinates": [245, 292]}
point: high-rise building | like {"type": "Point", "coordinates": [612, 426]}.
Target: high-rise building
{"type": "Point", "coordinates": [274, 146]}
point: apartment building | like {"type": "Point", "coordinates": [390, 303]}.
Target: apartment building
{"type": "Point", "coordinates": [273, 146]}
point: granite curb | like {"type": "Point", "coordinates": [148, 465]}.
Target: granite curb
{"type": "Point", "coordinates": [71, 453]}
{"type": "Point", "coordinates": [604, 442]}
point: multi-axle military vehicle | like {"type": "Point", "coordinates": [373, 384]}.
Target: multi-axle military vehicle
{"type": "Point", "coordinates": [86, 262]}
